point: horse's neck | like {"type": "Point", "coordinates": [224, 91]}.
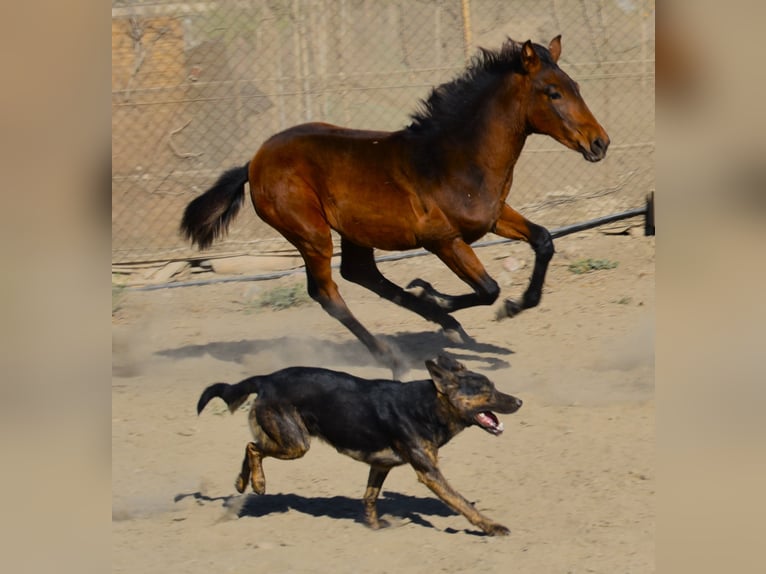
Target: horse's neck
{"type": "Point", "coordinates": [498, 140]}
{"type": "Point", "coordinates": [481, 150]}
{"type": "Point", "coordinates": [498, 153]}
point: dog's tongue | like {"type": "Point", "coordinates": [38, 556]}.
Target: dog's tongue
{"type": "Point", "coordinates": [488, 421]}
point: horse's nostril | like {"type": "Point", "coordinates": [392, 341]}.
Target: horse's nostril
{"type": "Point", "coordinates": [598, 145]}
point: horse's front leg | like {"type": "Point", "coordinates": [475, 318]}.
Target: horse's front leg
{"type": "Point", "coordinates": [461, 259]}
{"type": "Point", "coordinates": [358, 265]}
{"type": "Point", "coordinates": [513, 225]}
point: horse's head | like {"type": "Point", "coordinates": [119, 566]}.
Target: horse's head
{"type": "Point", "coordinates": [556, 107]}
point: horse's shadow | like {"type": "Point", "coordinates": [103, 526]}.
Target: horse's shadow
{"type": "Point", "coordinates": [415, 349]}
{"type": "Point", "coordinates": [401, 507]}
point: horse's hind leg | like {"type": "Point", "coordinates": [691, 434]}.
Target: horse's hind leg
{"type": "Point", "coordinates": [513, 225]}
{"type": "Point", "coordinates": [315, 246]}
{"type": "Point", "coordinates": [295, 211]}
{"type": "Point", "coordinates": [358, 265]}
{"type": "Point", "coordinates": [324, 290]}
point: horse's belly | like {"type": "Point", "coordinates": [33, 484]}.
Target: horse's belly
{"type": "Point", "coordinates": [379, 236]}
{"type": "Point", "coordinates": [391, 225]}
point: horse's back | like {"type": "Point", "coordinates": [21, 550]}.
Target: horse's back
{"type": "Point", "coordinates": [322, 150]}
{"type": "Point", "coordinates": [356, 179]}
{"type": "Point", "coordinates": [319, 133]}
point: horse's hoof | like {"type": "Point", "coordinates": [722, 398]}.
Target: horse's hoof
{"type": "Point", "coordinates": [397, 366]}
{"type": "Point", "coordinates": [454, 336]}
{"type": "Point", "coordinates": [458, 336]}
{"type": "Point", "coordinates": [509, 308]}
{"type": "Point", "coordinates": [398, 370]}
{"type": "Point", "coordinates": [420, 288]}
{"type": "Point", "coordinates": [418, 283]}
{"type": "Point", "coordinates": [417, 291]}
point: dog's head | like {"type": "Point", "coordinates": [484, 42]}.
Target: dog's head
{"type": "Point", "coordinates": [471, 395]}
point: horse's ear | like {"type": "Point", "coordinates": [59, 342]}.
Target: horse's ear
{"type": "Point", "coordinates": [529, 58]}
{"type": "Point", "coordinates": [555, 48]}
{"type": "Point", "coordinates": [511, 42]}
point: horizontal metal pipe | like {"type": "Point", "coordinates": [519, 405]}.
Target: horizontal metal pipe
{"type": "Point", "coordinates": [558, 232]}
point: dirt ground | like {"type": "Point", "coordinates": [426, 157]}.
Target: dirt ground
{"type": "Point", "coordinates": [572, 476]}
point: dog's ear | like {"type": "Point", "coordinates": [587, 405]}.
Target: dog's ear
{"type": "Point", "coordinates": [447, 362]}
{"type": "Point", "coordinates": [442, 378]}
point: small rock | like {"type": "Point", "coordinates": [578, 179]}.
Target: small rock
{"type": "Point", "coordinates": [252, 264]}
{"type": "Point", "coordinates": [513, 264]}
{"type": "Point", "coordinates": [164, 273]}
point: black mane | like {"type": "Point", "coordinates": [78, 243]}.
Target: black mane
{"type": "Point", "coordinates": [455, 101]}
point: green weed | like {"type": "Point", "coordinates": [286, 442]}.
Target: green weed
{"type": "Point", "coordinates": [284, 297]}
{"type": "Point", "coordinates": [587, 265]}
{"type": "Point", "coordinates": [117, 296]}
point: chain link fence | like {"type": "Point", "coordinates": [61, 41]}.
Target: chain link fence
{"type": "Point", "coordinates": [198, 86]}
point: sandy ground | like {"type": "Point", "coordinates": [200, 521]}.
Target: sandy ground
{"type": "Point", "coordinates": [572, 476]}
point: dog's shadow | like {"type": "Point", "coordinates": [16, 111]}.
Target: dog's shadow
{"type": "Point", "coordinates": [415, 349]}
{"type": "Point", "coordinates": [392, 507]}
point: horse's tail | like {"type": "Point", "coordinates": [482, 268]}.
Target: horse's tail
{"type": "Point", "coordinates": [233, 395]}
{"type": "Point", "coordinates": [208, 216]}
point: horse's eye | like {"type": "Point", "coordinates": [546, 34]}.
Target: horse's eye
{"type": "Point", "coordinates": [553, 93]}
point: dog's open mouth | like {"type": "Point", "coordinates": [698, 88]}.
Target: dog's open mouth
{"type": "Point", "coordinates": [488, 421]}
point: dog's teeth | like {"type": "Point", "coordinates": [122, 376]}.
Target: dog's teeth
{"type": "Point", "coordinates": [500, 427]}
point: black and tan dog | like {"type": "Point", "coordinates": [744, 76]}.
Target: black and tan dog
{"type": "Point", "coordinates": [380, 422]}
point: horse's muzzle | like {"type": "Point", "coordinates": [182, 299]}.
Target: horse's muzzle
{"type": "Point", "coordinates": [597, 150]}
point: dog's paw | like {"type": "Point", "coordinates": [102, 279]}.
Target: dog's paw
{"type": "Point", "coordinates": [259, 486]}
{"type": "Point", "coordinates": [240, 484]}
{"type": "Point", "coordinates": [382, 523]}
{"type": "Point", "coordinates": [373, 521]}
{"type": "Point", "coordinates": [496, 530]}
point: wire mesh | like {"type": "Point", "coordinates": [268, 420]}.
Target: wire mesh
{"type": "Point", "coordinates": [198, 86]}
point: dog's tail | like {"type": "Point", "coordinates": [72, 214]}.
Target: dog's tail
{"type": "Point", "coordinates": [233, 395]}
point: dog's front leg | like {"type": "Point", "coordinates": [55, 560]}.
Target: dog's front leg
{"type": "Point", "coordinates": [374, 483]}
{"type": "Point", "coordinates": [433, 479]}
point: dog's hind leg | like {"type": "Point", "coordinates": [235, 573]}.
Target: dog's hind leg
{"type": "Point", "coordinates": [279, 432]}
{"type": "Point", "coordinates": [244, 475]}
{"type": "Point", "coordinates": [374, 483]}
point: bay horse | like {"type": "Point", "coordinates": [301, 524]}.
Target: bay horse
{"type": "Point", "coordinates": [440, 184]}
